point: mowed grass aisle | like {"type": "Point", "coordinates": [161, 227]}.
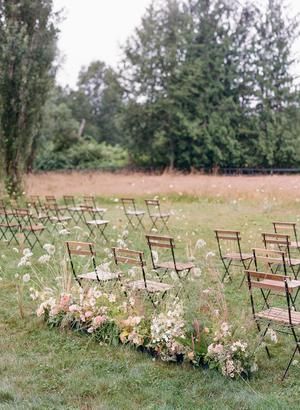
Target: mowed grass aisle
{"type": "Point", "coordinates": [42, 368]}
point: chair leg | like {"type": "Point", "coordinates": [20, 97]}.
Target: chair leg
{"type": "Point", "coordinates": [226, 270]}
{"type": "Point", "coordinates": [262, 336]}
{"type": "Point", "coordinates": [290, 362]}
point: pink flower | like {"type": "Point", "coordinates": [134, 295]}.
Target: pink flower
{"type": "Point", "coordinates": [64, 301]}
{"type": "Point", "coordinates": [73, 308]}
{"type": "Point", "coordinates": [89, 313]}
{"type": "Point", "coordinates": [98, 320]}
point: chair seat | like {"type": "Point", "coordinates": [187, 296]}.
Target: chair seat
{"type": "Point", "coordinates": [179, 265]}
{"type": "Point", "coordinates": [158, 215]}
{"type": "Point", "coordinates": [238, 257]}
{"type": "Point", "coordinates": [97, 222]}
{"type": "Point", "coordinates": [8, 225]}
{"type": "Point", "coordinates": [277, 285]}
{"type": "Point", "coordinates": [294, 261]}
{"type": "Point", "coordinates": [152, 287]}
{"type": "Point", "coordinates": [101, 210]}
{"type": "Point", "coordinates": [294, 244]}
{"type": "Point", "coordinates": [33, 228]}
{"type": "Point", "coordinates": [60, 219]}
{"type": "Point", "coordinates": [135, 212]}
{"type": "Point", "coordinates": [75, 209]}
{"type": "Point", "coordinates": [102, 276]}
{"type": "Point", "coordinates": [280, 315]}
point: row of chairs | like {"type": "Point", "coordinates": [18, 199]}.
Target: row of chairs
{"type": "Point", "coordinates": [269, 279]}
{"type": "Point", "coordinates": [135, 258]}
{"type": "Point", "coordinates": [134, 215]}
{"type": "Point", "coordinates": [229, 246]}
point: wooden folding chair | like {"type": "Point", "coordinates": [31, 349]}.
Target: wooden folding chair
{"type": "Point", "coordinates": [290, 229]}
{"type": "Point", "coordinates": [136, 258]}
{"type": "Point", "coordinates": [90, 201]}
{"type": "Point", "coordinates": [156, 215]}
{"type": "Point", "coordinates": [52, 204]}
{"type": "Point", "coordinates": [28, 227]}
{"type": "Point", "coordinates": [132, 212]}
{"type": "Point", "coordinates": [56, 216]}
{"type": "Point", "coordinates": [282, 242]}
{"type": "Point", "coordinates": [95, 225]}
{"type": "Point", "coordinates": [269, 260]}
{"type": "Point", "coordinates": [229, 245]}
{"type": "Point", "coordinates": [182, 269]}
{"type": "Point", "coordinates": [69, 200]}
{"type": "Point", "coordinates": [8, 228]}
{"type": "Point", "coordinates": [283, 319]}
{"type": "Point", "coordinates": [98, 275]}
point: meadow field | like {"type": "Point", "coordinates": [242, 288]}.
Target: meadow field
{"type": "Point", "coordinates": [53, 368]}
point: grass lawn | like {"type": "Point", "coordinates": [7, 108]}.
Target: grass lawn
{"type": "Point", "coordinates": [43, 368]}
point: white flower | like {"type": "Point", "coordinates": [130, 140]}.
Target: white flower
{"type": "Point", "coordinates": [27, 252]}
{"type": "Point", "coordinates": [63, 232]}
{"type": "Point", "coordinates": [44, 258]}
{"type": "Point", "coordinates": [16, 250]}
{"type": "Point", "coordinates": [24, 262]}
{"type": "Point", "coordinates": [200, 244]}
{"type": "Point", "coordinates": [272, 335]}
{"type": "Point", "coordinates": [210, 254]}
{"type": "Point", "coordinates": [49, 248]}
{"type": "Point", "coordinates": [26, 277]}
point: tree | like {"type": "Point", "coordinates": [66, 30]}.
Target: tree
{"type": "Point", "coordinates": [98, 101]}
{"type": "Point", "coordinates": [27, 50]}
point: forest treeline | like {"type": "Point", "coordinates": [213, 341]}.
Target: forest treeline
{"type": "Point", "coordinates": [201, 84]}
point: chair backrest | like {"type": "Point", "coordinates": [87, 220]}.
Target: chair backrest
{"type": "Point", "coordinates": [35, 199]}
{"type": "Point", "coordinates": [268, 258]}
{"type": "Point", "coordinates": [231, 239]}
{"type": "Point", "coordinates": [35, 203]}
{"type": "Point", "coordinates": [153, 205]}
{"type": "Point", "coordinates": [272, 283]}
{"type": "Point", "coordinates": [81, 249]}
{"type": "Point", "coordinates": [130, 257]}
{"type": "Point", "coordinates": [288, 228]}
{"type": "Point", "coordinates": [50, 199]}
{"type": "Point", "coordinates": [89, 200]}
{"type": "Point", "coordinates": [128, 204]}
{"type": "Point", "coordinates": [69, 200]}
{"type": "Point", "coordinates": [23, 216]}
{"type": "Point", "coordinates": [280, 240]}
{"type": "Point", "coordinates": [156, 241]}
{"type": "Point", "coordinates": [3, 213]}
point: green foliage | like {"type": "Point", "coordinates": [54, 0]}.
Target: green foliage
{"type": "Point", "coordinates": [209, 84]}
{"type": "Point", "coordinates": [27, 50]}
{"type": "Point", "coordinates": [84, 154]}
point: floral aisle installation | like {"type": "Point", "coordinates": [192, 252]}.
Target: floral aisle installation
{"type": "Point", "coordinates": [112, 316]}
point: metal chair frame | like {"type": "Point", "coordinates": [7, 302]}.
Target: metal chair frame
{"type": "Point", "coordinates": [26, 226]}
{"type": "Point", "coordinates": [7, 225]}
{"type": "Point", "coordinates": [282, 241]}
{"type": "Point", "coordinates": [154, 204]}
{"type": "Point", "coordinates": [136, 258]}
{"type": "Point", "coordinates": [94, 224]}
{"type": "Point", "coordinates": [182, 269]}
{"type": "Point", "coordinates": [288, 227]}
{"type": "Point", "coordinates": [87, 249]}
{"type": "Point", "coordinates": [285, 320]}
{"type": "Point", "coordinates": [132, 212]}
{"type": "Point", "coordinates": [244, 259]}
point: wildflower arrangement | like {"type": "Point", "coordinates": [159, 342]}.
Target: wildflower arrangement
{"type": "Point", "coordinates": [110, 316]}
{"type": "Point", "coordinates": [231, 357]}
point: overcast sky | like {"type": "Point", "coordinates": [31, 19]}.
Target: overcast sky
{"type": "Point", "coordinates": [95, 29]}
